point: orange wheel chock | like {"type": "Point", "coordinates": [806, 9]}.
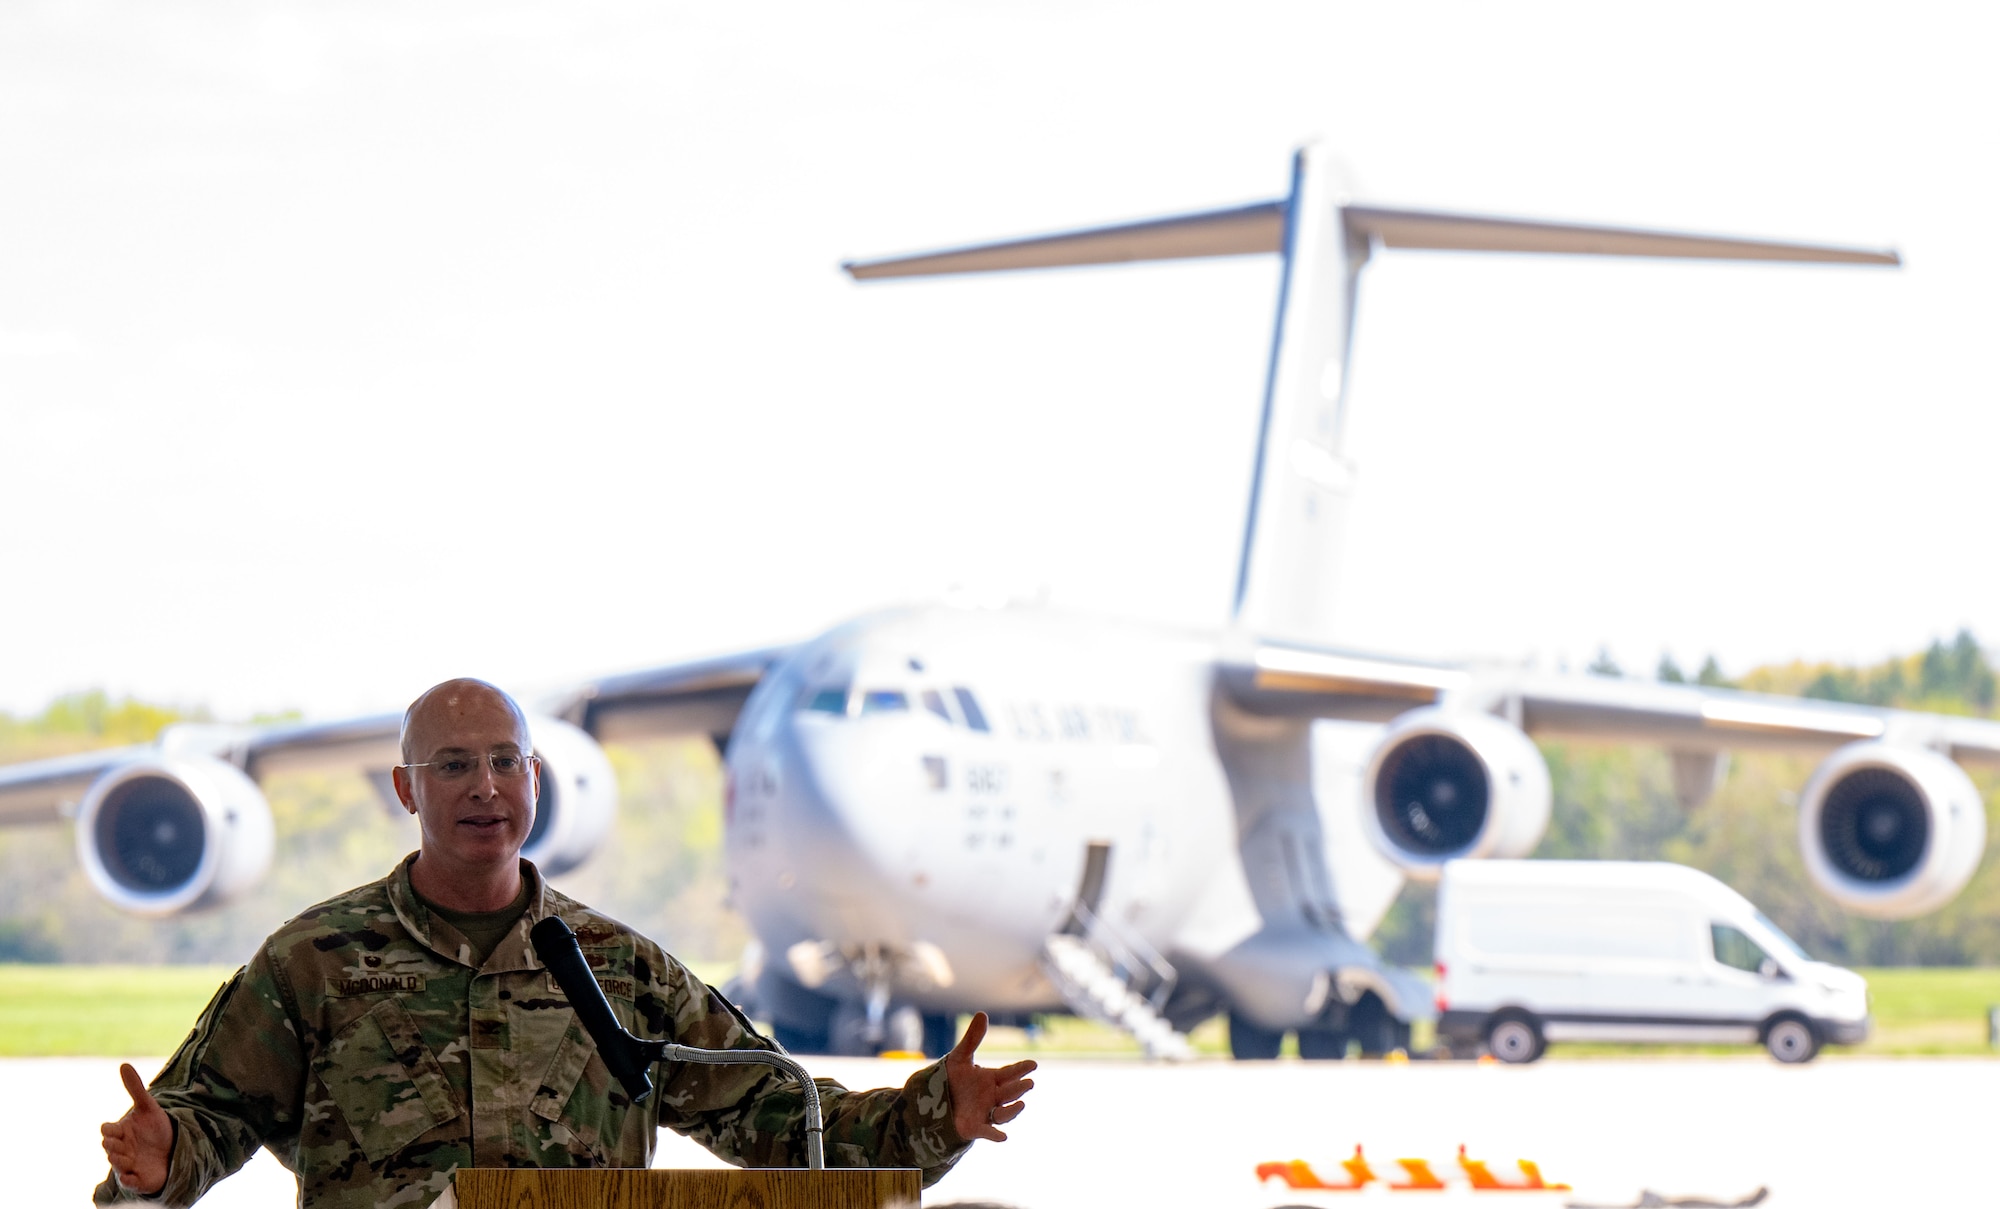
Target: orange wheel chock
{"type": "Point", "coordinates": [1534, 1175]}
{"type": "Point", "coordinates": [1297, 1173]}
{"type": "Point", "coordinates": [1476, 1173]}
{"type": "Point", "coordinates": [1357, 1168]}
{"type": "Point", "coordinates": [1483, 1180]}
{"type": "Point", "coordinates": [1421, 1177]}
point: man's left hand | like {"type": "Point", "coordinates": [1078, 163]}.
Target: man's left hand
{"type": "Point", "coordinates": [982, 1098]}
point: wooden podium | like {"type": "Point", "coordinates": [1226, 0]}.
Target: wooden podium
{"type": "Point", "coordinates": [660, 1188]}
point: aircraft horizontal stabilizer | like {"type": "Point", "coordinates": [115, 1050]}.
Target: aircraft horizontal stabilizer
{"type": "Point", "coordinates": [1240, 231]}
{"type": "Point", "coordinates": [1426, 229]}
{"type": "Point", "coordinates": [1260, 227]}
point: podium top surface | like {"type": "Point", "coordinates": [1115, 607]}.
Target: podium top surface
{"type": "Point", "coordinates": [786, 1188]}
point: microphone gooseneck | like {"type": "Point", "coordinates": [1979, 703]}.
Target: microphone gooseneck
{"type": "Point", "coordinates": [629, 1059]}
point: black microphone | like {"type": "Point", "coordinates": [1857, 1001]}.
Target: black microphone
{"type": "Point", "coordinates": [628, 1058]}
{"type": "Point", "coordinates": [631, 1060]}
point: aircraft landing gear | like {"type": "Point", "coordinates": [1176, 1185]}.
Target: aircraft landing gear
{"type": "Point", "coordinates": [1377, 1032]}
{"type": "Point", "coordinates": [940, 1034]}
{"type": "Point", "coordinates": [850, 1032]}
{"type": "Point", "coordinates": [1249, 1042]}
{"type": "Point", "coordinates": [1323, 1044]}
{"type": "Point", "coordinates": [798, 1040]}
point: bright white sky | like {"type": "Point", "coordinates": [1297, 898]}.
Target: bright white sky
{"type": "Point", "coordinates": [347, 347]}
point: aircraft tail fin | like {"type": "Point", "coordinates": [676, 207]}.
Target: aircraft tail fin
{"type": "Point", "coordinates": [1290, 563]}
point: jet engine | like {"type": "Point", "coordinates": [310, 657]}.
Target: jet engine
{"type": "Point", "coordinates": [166, 834]}
{"type": "Point", "coordinates": [1445, 785]}
{"type": "Point", "coordinates": [578, 801]}
{"type": "Point", "coordinates": [1892, 832]}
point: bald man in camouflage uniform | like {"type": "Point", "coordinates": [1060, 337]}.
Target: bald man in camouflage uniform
{"type": "Point", "coordinates": [389, 1036]}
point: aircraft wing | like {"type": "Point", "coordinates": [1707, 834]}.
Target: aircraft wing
{"type": "Point", "coordinates": [1301, 681]}
{"type": "Point", "coordinates": [40, 791]}
{"type": "Point", "coordinates": [698, 698]}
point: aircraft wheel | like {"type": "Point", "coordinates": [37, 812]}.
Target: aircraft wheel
{"type": "Point", "coordinates": [799, 1040]}
{"type": "Point", "coordinates": [1514, 1039]}
{"type": "Point", "coordinates": [1323, 1044]}
{"type": "Point", "coordinates": [799, 1017]}
{"type": "Point", "coordinates": [847, 1032]}
{"type": "Point", "coordinates": [1791, 1040]}
{"type": "Point", "coordinates": [940, 1034]}
{"type": "Point", "coordinates": [1375, 1029]}
{"type": "Point", "coordinates": [1248, 1042]}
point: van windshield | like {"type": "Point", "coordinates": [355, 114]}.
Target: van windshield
{"type": "Point", "coordinates": [1778, 934]}
{"type": "Point", "coordinates": [1733, 948]}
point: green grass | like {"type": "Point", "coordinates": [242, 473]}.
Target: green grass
{"type": "Point", "coordinates": [118, 1011]}
{"type": "Point", "coordinates": [1931, 1011]}
{"type": "Point", "coordinates": [1917, 1012]}
{"type": "Point", "coordinates": [108, 1010]}
{"type": "Point", "coordinates": [146, 1010]}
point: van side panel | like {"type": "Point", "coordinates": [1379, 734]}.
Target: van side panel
{"type": "Point", "coordinates": [1608, 951]}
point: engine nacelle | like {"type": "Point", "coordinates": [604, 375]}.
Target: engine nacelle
{"type": "Point", "coordinates": [578, 800]}
{"type": "Point", "coordinates": [172, 833]}
{"type": "Point", "coordinates": [1446, 785]}
{"type": "Point", "coordinates": [1889, 831]}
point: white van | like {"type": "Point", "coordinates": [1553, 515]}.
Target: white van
{"type": "Point", "coordinates": [1530, 952]}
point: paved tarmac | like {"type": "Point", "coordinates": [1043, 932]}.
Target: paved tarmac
{"type": "Point", "coordinates": [1837, 1133]}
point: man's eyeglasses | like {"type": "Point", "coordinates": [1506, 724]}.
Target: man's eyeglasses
{"type": "Point", "coordinates": [505, 765]}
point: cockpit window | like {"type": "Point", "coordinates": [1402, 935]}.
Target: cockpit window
{"type": "Point", "coordinates": [969, 706]}
{"type": "Point", "coordinates": [831, 699]}
{"type": "Point", "coordinates": [884, 701]}
{"type": "Point", "coordinates": [934, 702]}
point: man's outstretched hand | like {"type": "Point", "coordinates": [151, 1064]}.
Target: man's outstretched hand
{"type": "Point", "coordinates": [140, 1142]}
{"type": "Point", "coordinates": [983, 1098]}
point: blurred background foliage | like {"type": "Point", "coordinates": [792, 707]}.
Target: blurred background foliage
{"type": "Point", "coordinates": [663, 872]}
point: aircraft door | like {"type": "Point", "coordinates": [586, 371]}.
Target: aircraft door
{"type": "Point", "coordinates": [1090, 887]}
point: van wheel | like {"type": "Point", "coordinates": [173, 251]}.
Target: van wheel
{"type": "Point", "coordinates": [1322, 1044]}
{"type": "Point", "coordinates": [1791, 1040]}
{"type": "Point", "coordinates": [1514, 1039]}
{"type": "Point", "coordinates": [1247, 1042]}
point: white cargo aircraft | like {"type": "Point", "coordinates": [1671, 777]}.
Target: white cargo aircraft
{"type": "Point", "coordinates": [934, 810]}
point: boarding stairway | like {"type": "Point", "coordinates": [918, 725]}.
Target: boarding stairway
{"type": "Point", "coordinates": [1113, 976]}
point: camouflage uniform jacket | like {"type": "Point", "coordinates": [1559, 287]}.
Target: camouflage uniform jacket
{"type": "Point", "coordinates": [361, 1046]}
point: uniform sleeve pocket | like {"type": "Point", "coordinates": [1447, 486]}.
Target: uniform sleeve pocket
{"type": "Point", "coordinates": [386, 1082]}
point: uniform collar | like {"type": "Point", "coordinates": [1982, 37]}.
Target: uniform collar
{"type": "Point", "coordinates": [514, 952]}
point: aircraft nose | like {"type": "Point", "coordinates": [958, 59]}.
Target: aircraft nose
{"type": "Point", "coordinates": [822, 820]}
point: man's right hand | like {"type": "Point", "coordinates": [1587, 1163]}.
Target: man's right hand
{"type": "Point", "coordinates": [140, 1143]}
